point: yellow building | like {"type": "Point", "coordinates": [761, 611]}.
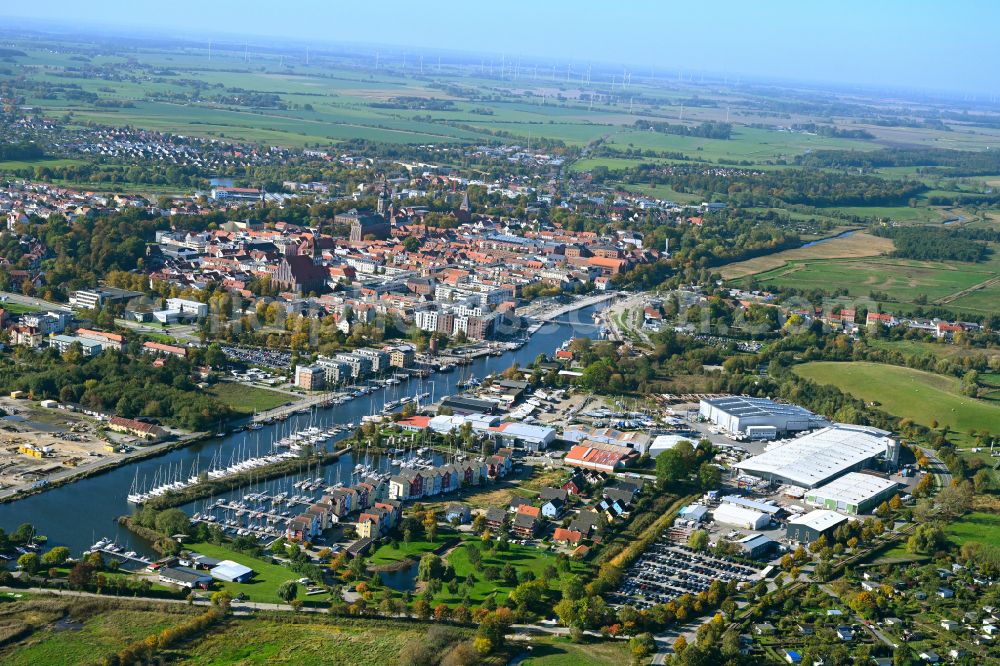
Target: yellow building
{"type": "Point", "coordinates": [30, 450]}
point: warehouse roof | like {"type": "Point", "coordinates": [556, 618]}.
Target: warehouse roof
{"type": "Point", "coordinates": [854, 488]}
{"type": "Point", "coordinates": [526, 431]}
{"type": "Point", "coordinates": [229, 570]}
{"type": "Point", "coordinates": [745, 406]}
{"type": "Point", "coordinates": [819, 456]}
{"type": "Point", "coordinates": [748, 503]}
{"type": "Point", "coordinates": [819, 520]}
{"type": "Point", "coordinates": [738, 515]}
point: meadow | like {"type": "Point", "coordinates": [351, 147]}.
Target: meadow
{"type": "Point", "coordinates": [247, 399]}
{"type": "Point", "coordinates": [551, 651]}
{"type": "Point", "coordinates": [976, 526]}
{"type": "Point", "coordinates": [82, 637]}
{"type": "Point", "coordinates": [849, 247]}
{"type": "Point", "coordinates": [289, 641]}
{"type": "Point", "coordinates": [935, 349]}
{"type": "Point", "coordinates": [924, 397]}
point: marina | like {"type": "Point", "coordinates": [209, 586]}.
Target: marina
{"type": "Point", "coordinates": [72, 513]}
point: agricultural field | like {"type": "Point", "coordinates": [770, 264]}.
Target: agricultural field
{"type": "Point", "coordinates": [328, 98]}
{"type": "Point", "coordinates": [924, 397]}
{"type": "Point", "coordinates": [855, 246]}
{"type": "Point", "coordinates": [971, 287]}
{"type": "Point", "coordinates": [247, 399]}
{"type": "Point", "coordinates": [10, 165]}
{"type": "Point", "coordinates": [747, 144]}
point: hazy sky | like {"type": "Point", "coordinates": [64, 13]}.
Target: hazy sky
{"type": "Point", "coordinates": [923, 44]}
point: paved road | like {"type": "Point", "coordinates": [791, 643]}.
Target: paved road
{"type": "Point", "coordinates": [182, 332]}
{"type": "Point", "coordinates": [665, 641]}
{"type": "Point", "coordinates": [10, 297]}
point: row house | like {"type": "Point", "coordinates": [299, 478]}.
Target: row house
{"type": "Point", "coordinates": [303, 527]}
{"type": "Point", "coordinates": [375, 522]}
{"type": "Point", "coordinates": [414, 484]}
{"type": "Point", "coordinates": [341, 501]}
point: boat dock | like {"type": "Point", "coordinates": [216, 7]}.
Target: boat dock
{"type": "Point", "coordinates": [106, 547]}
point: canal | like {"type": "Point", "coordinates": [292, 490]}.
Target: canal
{"type": "Point", "coordinates": [77, 514]}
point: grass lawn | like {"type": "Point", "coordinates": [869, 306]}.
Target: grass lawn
{"type": "Point", "coordinates": [387, 554]}
{"type": "Point", "coordinates": [523, 558]}
{"type": "Point", "coordinates": [247, 399]}
{"type": "Point", "coordinates": [17, 308]}
{"type": "Point", "coordinates": [561, 652]}
{"type": "Point", "coordinates": [976, 526]}
{"type": "Point", "coordinates": [86, 643]}
{"type": "Point", "coordinates": [263, 586]}
{"type": "Point", "coordinates": [264, 641]}
{"type": "Point", "coordinates": [907, 393]}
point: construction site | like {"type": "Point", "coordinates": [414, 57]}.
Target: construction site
{"type": "Point", "coordinates": [39, 441]}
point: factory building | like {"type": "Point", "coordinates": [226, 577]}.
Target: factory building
{"type": "Point", "coordinates": [731, 514]}
{"type": "Point", "coordinates": [758, 418]}
{"type": "Point", "coordinates": [817, 458]}
{"type": "Point", "coordinates": [853, 493]}
{"type": "Point", "coordinates": [809, 527]}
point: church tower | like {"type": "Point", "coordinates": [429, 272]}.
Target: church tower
{"type": "Point", "coordinates": [384, 200]}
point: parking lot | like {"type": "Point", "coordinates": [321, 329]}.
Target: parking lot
{"type": "Point", "coordinates": [668, 570]}
{"type": "Point", "coordinates": [270, 358]}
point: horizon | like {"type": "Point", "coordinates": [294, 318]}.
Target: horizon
{"type": "Point", "coordinates": [851, 53]}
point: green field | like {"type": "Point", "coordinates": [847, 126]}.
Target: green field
{"type": "Point", "coordinates": [264, 586]}
{"type": "Point", "coordinates": [17, 308]}
{"type": "Point", "coordinates": [936, 349]}
{"type": "Point", "coordinates": [747, 144]}
{"type": "Point", "coordinates": [389, 554]}
{"type": "Point", "coordinates": [522, 558]}
{"type": "Point", "coordinates": [265, 641]}
{"type": "Point", "coordinates": [10, 165]}
{"type": "Point", "coordinates": [976, 526]}
{"type": "Point", "coordinates": [245, 399]}
{"type": "Point", "coordinates": [969, 287]}
{"type": "Point", "coordinates": [907, 393]}
{"type": "Point", "coordinates": [561, 652]}
{"type": "Point", "coordinates": [344, 96]}
{"type": "Point", "coordinates": [87, 637]}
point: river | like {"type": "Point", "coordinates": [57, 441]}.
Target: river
{"type": "Point", "coordinates": [820, 241]}
{"type": "Point", "coordinates": [78, 513]}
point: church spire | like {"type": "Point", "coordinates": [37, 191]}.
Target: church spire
{"type": "Point", "coordinates": [384, 199]}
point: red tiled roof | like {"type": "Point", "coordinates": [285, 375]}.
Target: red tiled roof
{"type": "Point", "coordinates": [563, 534]}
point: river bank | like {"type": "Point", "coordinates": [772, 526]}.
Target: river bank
{"type": "Point", "coordinates": [101, 467]}
{"type": "Point", "coordinates": [212, 487]}
{"type": "Point", "coordinates": [76, 514]}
